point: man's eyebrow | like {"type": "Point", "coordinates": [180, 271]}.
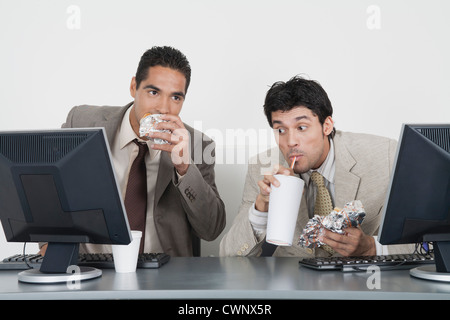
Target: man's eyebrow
{"type": "Point", "coordinates": [276, 122]}
{"type": "Point", "coordinates": [150, 86]}
{"type": "Point", "coordinates": [179, 93]}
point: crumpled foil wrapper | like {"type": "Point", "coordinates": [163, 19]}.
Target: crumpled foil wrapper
{"type": "Point", "coordinates": [147, 126]}
{"type": "Point", "coordinates": [352, 215]}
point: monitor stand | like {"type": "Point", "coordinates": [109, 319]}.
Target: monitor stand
{"type": "Point", "coordinates": [79, 274]}
{"type": "Point", "coordinates": [440, 271]}
{"type": "Point", "coordinates": [59, 265]}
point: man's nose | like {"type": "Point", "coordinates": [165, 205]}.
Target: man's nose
{"type": "Point", "coordinates": [292, 139]}
{"type": "Point", "coordinates": [164, 106]}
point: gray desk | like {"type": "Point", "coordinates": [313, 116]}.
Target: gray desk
{"type": "Point", "coordinates": [230, 278]}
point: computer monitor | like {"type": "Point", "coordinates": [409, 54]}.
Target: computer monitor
{"type": "Point", "coordinates": [417, 207]}
{"type": "Point", "coordinates": [58, 186]}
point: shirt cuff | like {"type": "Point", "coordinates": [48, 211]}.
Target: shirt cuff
{"type": "Point", "coordinates": [258, 220]}
{"type": "Point", "coordinates": [179, 176]}
{"type": "Point", "coordinates": [381, 250]}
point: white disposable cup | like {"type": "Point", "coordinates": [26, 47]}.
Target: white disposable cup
{"type": "Point", "coordinates": [126, 256]}
{"type": "Point", "coordinates": [284, 203]}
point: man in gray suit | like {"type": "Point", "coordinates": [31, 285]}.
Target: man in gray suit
{"type": "Point", "coordinates": [353, 167]}
{"type": "Point", "coordinates": [183, 203]}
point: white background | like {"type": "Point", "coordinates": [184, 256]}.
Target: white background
{"type": "Point", "coordinates": [383, 63]}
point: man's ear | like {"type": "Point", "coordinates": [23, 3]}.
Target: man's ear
{"type": "Point", "coordinates": [133, 87]}
{"type": "Point", "coordinates": [328, 126]}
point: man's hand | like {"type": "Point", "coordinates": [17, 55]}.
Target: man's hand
{"type": "Point", "coordinates": [262, 200]}
{"type": "Point", "coordinates": [43, 250]}
{"type": "Point", "coordinates": [354, 242]}
{"type": "Point", "coordinates": [178, 139]}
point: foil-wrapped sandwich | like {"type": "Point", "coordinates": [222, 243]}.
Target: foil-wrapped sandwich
{"type": "Point", "coordinates": [352, 215]}
{"type": "Point", "coordinates": [147, 126]}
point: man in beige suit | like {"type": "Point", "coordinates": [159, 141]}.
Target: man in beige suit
{"type": "Point", "coordinates": [183, 204]}
{"type": "Point", "coordinates": [353, 166]}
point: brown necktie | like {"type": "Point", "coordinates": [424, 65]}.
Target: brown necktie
{"type": "Point", "coordinates": [136, 194]}
{"type": "Point", "coordinates": [323, 205]}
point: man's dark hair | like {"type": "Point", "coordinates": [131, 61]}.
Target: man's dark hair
{"type": "Point", "coordinates": [298, 92]}
{"type": "Point", "coordinates": [165, 57]}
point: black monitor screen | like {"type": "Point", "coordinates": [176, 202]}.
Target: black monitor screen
{"type": "Point", "coordinates": [417, 207]}
{"type": "Point", "coordinates": [58, 186]}
{"type": "Point", "coordinates": [418, 202]}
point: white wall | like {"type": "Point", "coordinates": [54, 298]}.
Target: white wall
{"type": "Point", "coordinates": [382, 63]}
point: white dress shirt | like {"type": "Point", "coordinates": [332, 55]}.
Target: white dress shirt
{"type": "Point", "coordinates": [123, 152]}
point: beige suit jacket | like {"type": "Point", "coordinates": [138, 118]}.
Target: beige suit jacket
{"type": "Point", "coordinates": [363, 167]}
{"type": "Point", "coordinates": [182, 211]}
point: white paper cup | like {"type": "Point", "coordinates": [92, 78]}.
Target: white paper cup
{"type": "Point", "coordinates": [125, 256]}
{"type": "Point", "coordinates": [284, 203]}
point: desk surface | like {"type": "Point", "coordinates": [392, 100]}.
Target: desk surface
{"type": "Point", "coordinates": [230, 278]}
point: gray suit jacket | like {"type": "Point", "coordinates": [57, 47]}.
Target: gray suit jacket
{"type": "Point", "coordinates": [363, 166]}
{"type": "Point", "coordinates": [182, 211]}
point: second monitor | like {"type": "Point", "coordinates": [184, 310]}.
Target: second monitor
{"type": "Point", "coordinates": [417, 207]}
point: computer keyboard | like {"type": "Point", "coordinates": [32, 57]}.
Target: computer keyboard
{"type": "Point", "coordinates": [97, 260]}
{"type": "Point", "coordinates": [388, 262]}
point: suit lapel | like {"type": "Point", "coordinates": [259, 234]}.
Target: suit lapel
{"type": "Point", "coordinates": [346, 182]}
{"type": "Point", "coordinates": [112, 121]}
